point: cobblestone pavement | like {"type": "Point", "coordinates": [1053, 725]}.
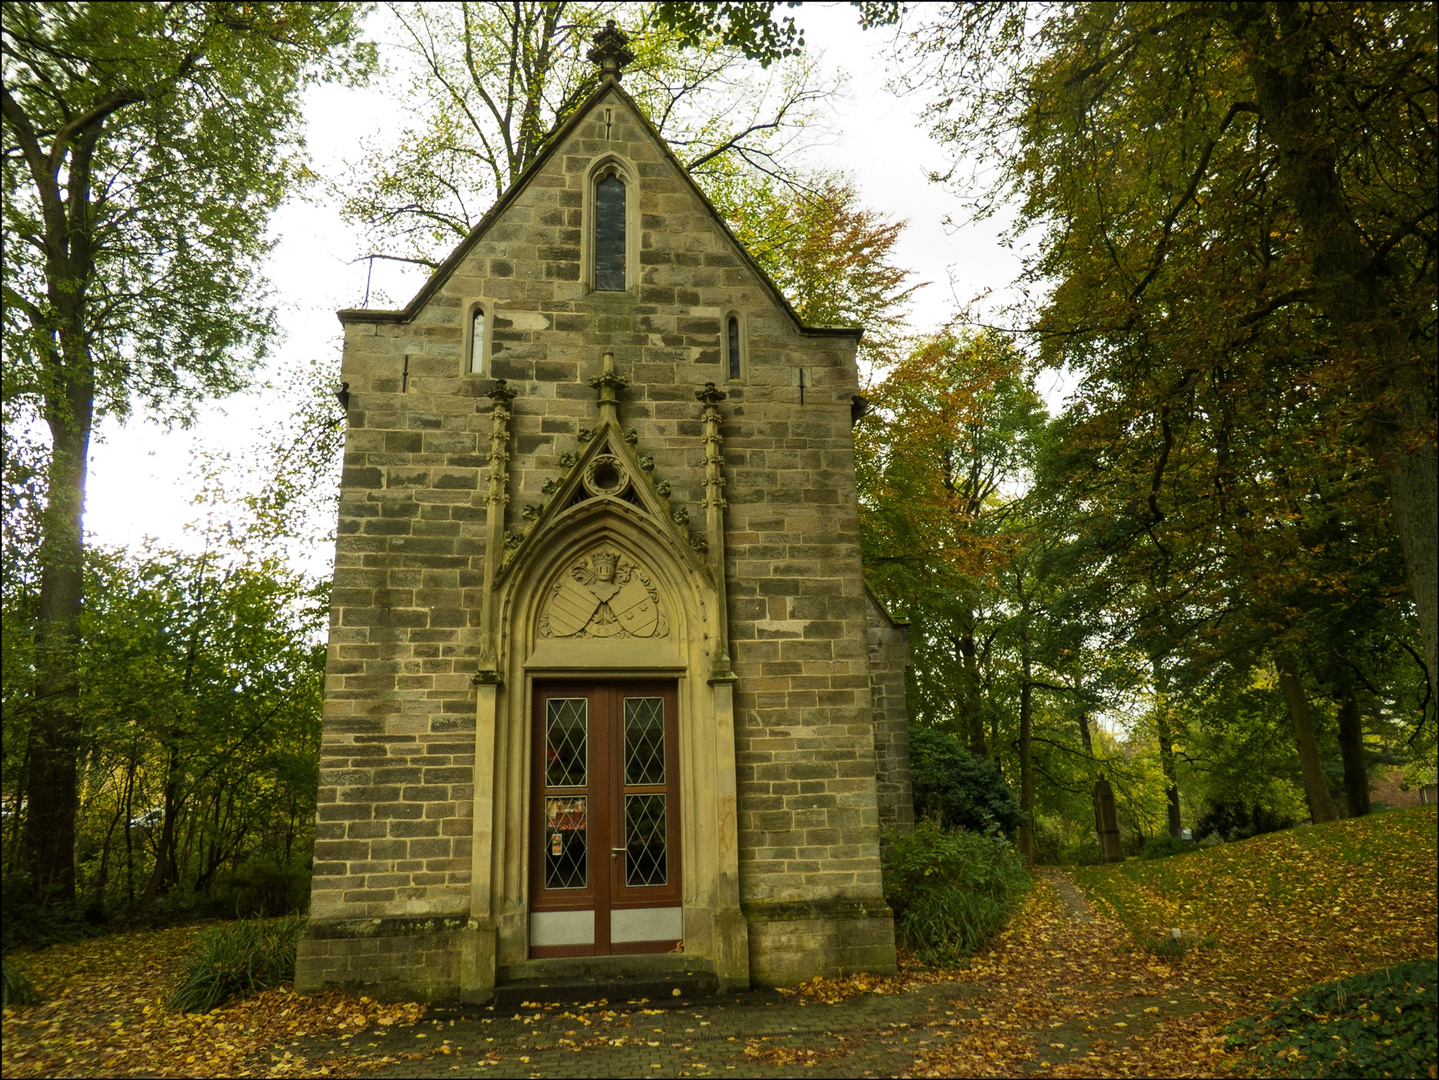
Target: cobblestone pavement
{"type": "Point", "coordinates": [760, 1034]}
{"type": "Point", "coordinates": [1062, 992]}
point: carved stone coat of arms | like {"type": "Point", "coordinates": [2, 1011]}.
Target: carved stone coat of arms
{"type": "Point", "coordinates": [605, 595]}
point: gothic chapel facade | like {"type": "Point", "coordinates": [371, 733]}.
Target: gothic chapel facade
{"type": "Point", "coordinates": [605, 690]}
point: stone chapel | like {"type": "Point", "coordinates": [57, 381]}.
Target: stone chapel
{"type": "Point", "coordinates": [606, 691]}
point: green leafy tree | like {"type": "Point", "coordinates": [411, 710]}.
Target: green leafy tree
{"type": "Point", "coordinates": [753, 26]}
{"type": "Point", "coordinates": [212, 665]}
{"type": "Point", "coordinates": [940, 461]}
{"type": "Point", "coordinates": [145, 146]}
{"type": "Point", "coordinates": [832, 257]}
{"type": "Point", "coordinates": [1235, 205]}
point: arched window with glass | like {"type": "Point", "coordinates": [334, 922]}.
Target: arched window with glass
{"type": "Point", "coordinates": [610, 233]}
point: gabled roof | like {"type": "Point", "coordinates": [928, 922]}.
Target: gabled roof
{"type": "Point", "coordinates": [607, 85]}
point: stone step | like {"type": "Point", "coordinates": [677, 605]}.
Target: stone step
{"type": "Point", "coordinates": [659, 987]}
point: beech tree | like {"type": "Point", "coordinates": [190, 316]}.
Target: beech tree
{"type": "Point", "coordinates": [939, 463]}
{"type": "Point", "coordinates": [1237, 205]}
{"type": "Point", "coordinates": [145, 145]}
{"type": "Point", "coordinates": [831, 256]}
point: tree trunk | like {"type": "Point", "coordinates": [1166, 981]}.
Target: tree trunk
{"type": "Point", "coordinates": [164, 850]}
{"type": "Point", "coordinates": [54, 738]}
{"type": "Point", "coordinates": [1084, 736]}
{"type": "Point", "coordinates": [1164, 734]}
{"type": "Point", "coordinates": [1321, 806]}
{"type": "Point", "coordinates": [1414, 496]}
{"type": "Point", "coordinates": [1026, 767]}
{"type": "Point", "coordinates": [69, 408]}
{"type": "Point", "coordinates": [1173, 821]}
{"type": "Point", "coordinates": [969, 661]}
{"type": "Point", "coordinates": [103, 878]}
{"type": "Point", "coordinates": [1351, 748]}
{"type": "Point", "coordinates": [129, 828]}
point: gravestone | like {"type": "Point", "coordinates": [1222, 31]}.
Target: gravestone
{"type": "Point", "coordinates": [1106, 823]}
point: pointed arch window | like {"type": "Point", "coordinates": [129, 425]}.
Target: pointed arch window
{"type": "Point", "coordinates": [610, 234]}
{"type": "Point", "coordinates": [477, 340]}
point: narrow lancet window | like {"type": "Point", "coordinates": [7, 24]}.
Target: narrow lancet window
{"type": "Point", "coordinates": [610, 235]}
{"type": "Point", "coordinates": [477, 341]}
{"type": "Point", "coordinates": [732, 342]}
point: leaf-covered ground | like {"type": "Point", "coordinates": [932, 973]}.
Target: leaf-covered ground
{"type": "Point", "coordinates": [1071, 988]}
{"type": "Point", "coordinates": [1290, 909]}
{"type": "Point", "coordinates": [103, 1013]}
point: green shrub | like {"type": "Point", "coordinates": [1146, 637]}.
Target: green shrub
{"type": "Point", "coordinates": [1058, 842]}
{"type": "Point", "coordinates": [1047, 844]}
{"type": "Point", "coordinates": [1083, 852]}
{"type": "Point", "coordinates": [1385, 1023]}
{"type": "Point", "coordinates": [1163, 846]}
{"type": "Point", "coordinates": [262, 888]}
{"type": "Point", "coordinates": [238, 960]}
{"type": "Point", "coordinates": [962, 791]}
{"type": "Point", "coordinates": [1239, 821]}
{"type": "Point", "coordinates": [950, 890]}
{"type": "Point", "coordinates": [26, 921]}
{"type": "Point", "coordinates": [18, 989]}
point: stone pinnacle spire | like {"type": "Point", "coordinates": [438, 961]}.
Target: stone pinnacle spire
{"type": "Point", "coordinates": [610, 51]}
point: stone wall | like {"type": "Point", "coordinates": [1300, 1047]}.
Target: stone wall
{"type": "Point", "coordinates": [395, 801]}
{"type": "Point", "coordinates": [393, 959]}
{"type": "Point", "coordinates": [888, 662]}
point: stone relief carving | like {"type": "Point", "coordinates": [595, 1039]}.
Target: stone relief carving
{"type": "Point", "coordinates": [604, 595]}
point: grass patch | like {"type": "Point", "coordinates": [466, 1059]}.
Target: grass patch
{"type": "Point", "coordinates": [950, 890]}
{"type": "Point", "coordinates": [234, 961]}
{"type": "Point", "coordinates": [18, 989]}
{"type": "Point", "coordinates": [1288, 910]}
{"type": "Point", "coordinates": [1171, 945]}
{"type": "Point", "coordinates": [1385, 1023]}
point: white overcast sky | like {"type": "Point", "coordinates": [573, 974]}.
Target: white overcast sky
{"type": "Point", "coordinates": [141, 480]}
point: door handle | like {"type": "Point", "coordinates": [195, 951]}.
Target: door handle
{"type": "Point", "coordinates": [617, 851]}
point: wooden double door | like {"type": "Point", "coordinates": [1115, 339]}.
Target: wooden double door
{"type": "Point", "coordinates": [605, 833]}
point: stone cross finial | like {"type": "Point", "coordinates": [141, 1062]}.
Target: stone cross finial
{"type": "Point", "coordinates": [610, 51]}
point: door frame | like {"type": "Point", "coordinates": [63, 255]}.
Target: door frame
{"type": "Point", "coordinates": [715, 929]}
{"type": "Point", "coordinates": [605, 788]}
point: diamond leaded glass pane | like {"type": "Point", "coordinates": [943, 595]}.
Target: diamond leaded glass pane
{"type": "Point", "coordinates": [645, 847]}
{"type": "Point", "coordinates": [565, 843]}
{"type": "Point", "coordinates": [566, 742]}
{"type": "Point", "coordinates": [645, 740]}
